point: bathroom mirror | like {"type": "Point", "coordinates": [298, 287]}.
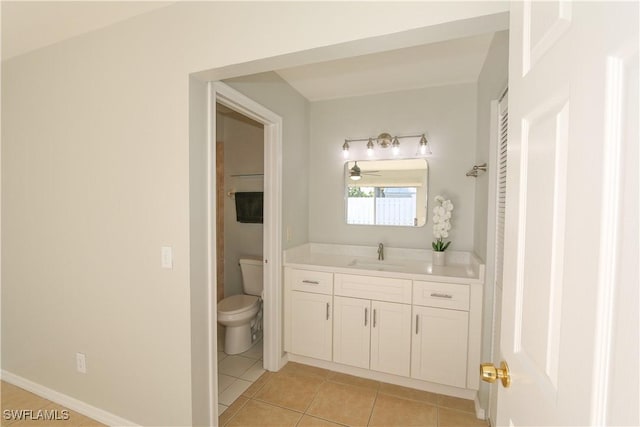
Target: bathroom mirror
{"type": "Point", "coordinates": [386, 192]}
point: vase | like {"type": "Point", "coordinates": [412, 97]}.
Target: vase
{"type": "Point", "coordinates": [438, 258]}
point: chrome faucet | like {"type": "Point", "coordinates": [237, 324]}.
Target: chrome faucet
{"type": "Point", "coordinates": [380, 252]}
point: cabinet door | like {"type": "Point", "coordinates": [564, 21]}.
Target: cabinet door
{"type": "Point", "coordinates": [311, 325]}
{"type": "Point", "coordinates": [351, 331]}
{"type": "Point", "coordinates": [390, 337]}
{"type": "Point", "coordinates": [439, 349]}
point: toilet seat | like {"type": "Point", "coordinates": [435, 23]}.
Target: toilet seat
{"type": "Point", "coordinates": [236, 304]}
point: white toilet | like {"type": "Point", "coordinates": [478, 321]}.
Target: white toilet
{"type": "Point", "coordinates": [241, 314]}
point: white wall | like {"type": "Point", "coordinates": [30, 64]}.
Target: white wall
{"type": "Point", "coordinates": [96, 177]}
{"type": "Point", "coordinates": [198, 250]}
{"type": "Point", "coordinates": [491, 82]}
{"type": "Point", "coordinates": [447, 115]}
{"type": "Point", "coordinates": [243, 154]}
{"type": "Point", "coordinates": [278, 96]}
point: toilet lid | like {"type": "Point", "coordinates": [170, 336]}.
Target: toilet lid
{"type": "Point", "coordinates": [237, 303]}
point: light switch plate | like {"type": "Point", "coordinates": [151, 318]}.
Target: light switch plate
{"type": "Point", "coordinates": [167, 257]}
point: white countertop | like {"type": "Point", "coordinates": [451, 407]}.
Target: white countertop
{"type": "Point", "coordinates": [414, 264]}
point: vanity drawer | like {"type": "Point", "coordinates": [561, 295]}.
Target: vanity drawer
{"type": "Point", "coordinates": [374, 288]}
{"type": "Point", "coordinates": [444, 295]}
{"type": "Point", "coordinates": [319, 282]}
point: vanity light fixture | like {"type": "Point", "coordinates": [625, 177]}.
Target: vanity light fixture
{"type": "Point", "coordinates": [385, 140]}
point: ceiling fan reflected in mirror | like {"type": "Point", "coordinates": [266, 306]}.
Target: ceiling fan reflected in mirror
{"type": "Point", "coordinates": [355, 173]}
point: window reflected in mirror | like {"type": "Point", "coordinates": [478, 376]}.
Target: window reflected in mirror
{"type": "Point", "coordinates": [387, 192]}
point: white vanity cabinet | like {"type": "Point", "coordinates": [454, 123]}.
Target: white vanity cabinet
{"type": "Point", "coordinates": [372, 323]}
{"type": "Point", "coordinates": [372, 335]}
{"type": "Point", "coordinates": [441, 333]}
{"type": "Point", "coordinates": [309, 313]}
{"type": "Point", "coordinates": [390, 337]}
{"type": "Point", "coordinates": [393, 321]}
{"type": "Point", "coordinates": [351, 331]}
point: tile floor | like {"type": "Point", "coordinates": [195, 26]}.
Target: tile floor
{"type": "Point", "coordinates": [17, 402]}
{"type": "Point", "coordinates": [301, 395]}
{"type": "Point", "coordinates": [236, 373]}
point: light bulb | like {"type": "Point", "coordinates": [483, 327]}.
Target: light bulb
{"type": "Point", "coordinates": [423, 145]}
{"type": "Point", "coordinates": [395, 146]}
{"type": "Point", "coordinates": [345, 149]}
{"type": "Point", "coordinates": [370, 147]}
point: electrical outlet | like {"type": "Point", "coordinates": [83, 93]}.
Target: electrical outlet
{"type": "Point", "coordinates": [81, 363]}
{"type": "Point", "coordinates": [289, 233]}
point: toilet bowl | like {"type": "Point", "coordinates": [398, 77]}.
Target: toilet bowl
{"type": "Point", "coordinates": [239, 313]}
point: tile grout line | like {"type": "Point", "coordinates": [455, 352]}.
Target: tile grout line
{"type": "Point", "coordinates": [324, 381]}
{"type": "Point", "coordinates": [375, 399]}
{"type": "Point", "coordinates": [237, 412]}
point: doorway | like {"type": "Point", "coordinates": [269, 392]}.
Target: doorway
{"type": "Point", "coordinates": [239, 229]}
{"type": "Point", "coordinates": [237, 103]}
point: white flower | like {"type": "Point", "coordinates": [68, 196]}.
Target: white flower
{"type": "Point", "coordinates": [447, 205]}
{"type": "Point", "coordinates": [441, 220]}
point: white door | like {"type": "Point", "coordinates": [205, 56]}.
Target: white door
{"type": "Point", "coordinates": [390, 337]}
{"type": "Point", "coordinates": [569, 123]}
{"type": "Point", "coordinates": [311, 325]}
{"type": "Point", "coordinates": [439, 345]}
{"type": "Point", "coordinates": [351, 331]}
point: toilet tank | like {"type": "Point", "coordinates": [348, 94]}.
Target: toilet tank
{"type": "Point", "coordinates": [252, 279]}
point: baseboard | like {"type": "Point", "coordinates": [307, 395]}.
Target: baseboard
{"type": "Point", "coordinates": [69, 402]}
{"type": "Point", "coordinates": [478, 408]}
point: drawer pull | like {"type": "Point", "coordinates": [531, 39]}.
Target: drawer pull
{"type": "Point", "coordinates": [374, 317]}
{"type": "Point", "coordinates": [417, 319]}
{"type": "Point", "coordinates": [311, 282]}
{"type": "Point", "coordinates": [439, 295]}
{"type": "Point", "coordinates": [365, 316]}
{"type": "Point", "coordinates": [327, 311]}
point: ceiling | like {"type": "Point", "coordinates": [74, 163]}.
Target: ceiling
{"type": "Point", "coordinates": [436, 64]}
{"type": "Point", "coordinates": [27, 26]}
{"type": "Point", "coordinates": [31, 25]}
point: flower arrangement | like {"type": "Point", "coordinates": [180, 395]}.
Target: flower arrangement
{"type": "Point", "coordinates": [441, 223]}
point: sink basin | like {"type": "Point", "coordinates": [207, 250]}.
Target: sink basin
{"type": "Point", "coordinates": [375, 265]}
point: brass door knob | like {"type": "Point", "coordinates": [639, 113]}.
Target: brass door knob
{"type": "Point", "coordinates": [489, 373]}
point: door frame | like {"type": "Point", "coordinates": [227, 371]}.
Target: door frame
{"type": "Point", "coordinates": [492, 239]}
{"type": "Point", "coordinates": [272, 245]}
